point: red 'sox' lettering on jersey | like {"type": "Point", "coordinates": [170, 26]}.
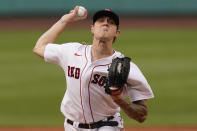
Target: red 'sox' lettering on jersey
{"type": "Point", "coordinates": [73, 72]}
{"type": "Point", "coordinates": [98, 79]}
{"type": "Point", "coordinates": [95, 78]}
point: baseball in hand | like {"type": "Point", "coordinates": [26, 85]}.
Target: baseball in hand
{"type": "Point", "coordinates": [81, 11]}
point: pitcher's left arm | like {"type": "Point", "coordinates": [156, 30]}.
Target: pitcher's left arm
{"type": "Point", "coordinates": [137, 110]}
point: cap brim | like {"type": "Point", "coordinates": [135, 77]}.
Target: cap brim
{"type": "Point", "coordinates": [106, 13]}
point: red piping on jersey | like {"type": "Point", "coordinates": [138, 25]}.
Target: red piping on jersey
{"type": "Point", "coordinates": [80, 84]}
{"type": "Point", "coordinates": [89, 88]}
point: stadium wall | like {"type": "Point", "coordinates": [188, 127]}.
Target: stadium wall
{"type": "Point", "coordinates": [123, 7]}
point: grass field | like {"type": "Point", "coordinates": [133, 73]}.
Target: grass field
{"type": "Point", "coordinates": [31, 90]}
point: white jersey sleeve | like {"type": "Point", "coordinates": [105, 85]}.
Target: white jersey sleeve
{"type": "Point", "coordinates": [138, 87]}
{"type": "Point", "coordinates": [59, 53]}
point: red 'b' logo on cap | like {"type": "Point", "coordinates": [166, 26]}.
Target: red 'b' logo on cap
{"type": "Point", "coordinates": [107, 9]}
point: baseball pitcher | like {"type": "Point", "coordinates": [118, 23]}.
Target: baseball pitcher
{"type": "Point", "coordinates": [98, 77]}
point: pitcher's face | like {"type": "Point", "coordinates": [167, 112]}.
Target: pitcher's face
{"type": "Point", "coordinates": [105, 29]}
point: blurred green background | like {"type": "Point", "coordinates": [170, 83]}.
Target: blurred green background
{"type": "Point", "coordinates": [31, 90]}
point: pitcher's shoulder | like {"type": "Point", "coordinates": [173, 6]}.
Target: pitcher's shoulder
{"type": "Point", "coordinates": [74, 45]}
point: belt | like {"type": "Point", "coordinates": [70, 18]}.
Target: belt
{"type": "Point", "coordinates": [94, 124]}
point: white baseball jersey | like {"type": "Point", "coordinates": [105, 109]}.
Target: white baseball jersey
{"type": "Point", "coordinates": [85, 100]}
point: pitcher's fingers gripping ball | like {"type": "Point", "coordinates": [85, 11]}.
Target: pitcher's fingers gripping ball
{"type": "Point", "coordinates": [118, 75]}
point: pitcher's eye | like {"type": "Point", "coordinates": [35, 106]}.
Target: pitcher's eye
{"type": "Point", "coordinates": [111, 21]}
{"type": "Point", "coordinates": [102, 19]}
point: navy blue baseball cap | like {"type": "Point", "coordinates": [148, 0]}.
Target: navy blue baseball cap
{"type": "Point", "coordinates": [106, 12]}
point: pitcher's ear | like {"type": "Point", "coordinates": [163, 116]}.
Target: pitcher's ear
{"type": "Point", "coordinates": [117, 33]}
{"type": "Point", "coordinates": [92, 29]}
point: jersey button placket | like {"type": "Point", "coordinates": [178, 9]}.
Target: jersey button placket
{"type": "Point", "coordinates": [85, 93]}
